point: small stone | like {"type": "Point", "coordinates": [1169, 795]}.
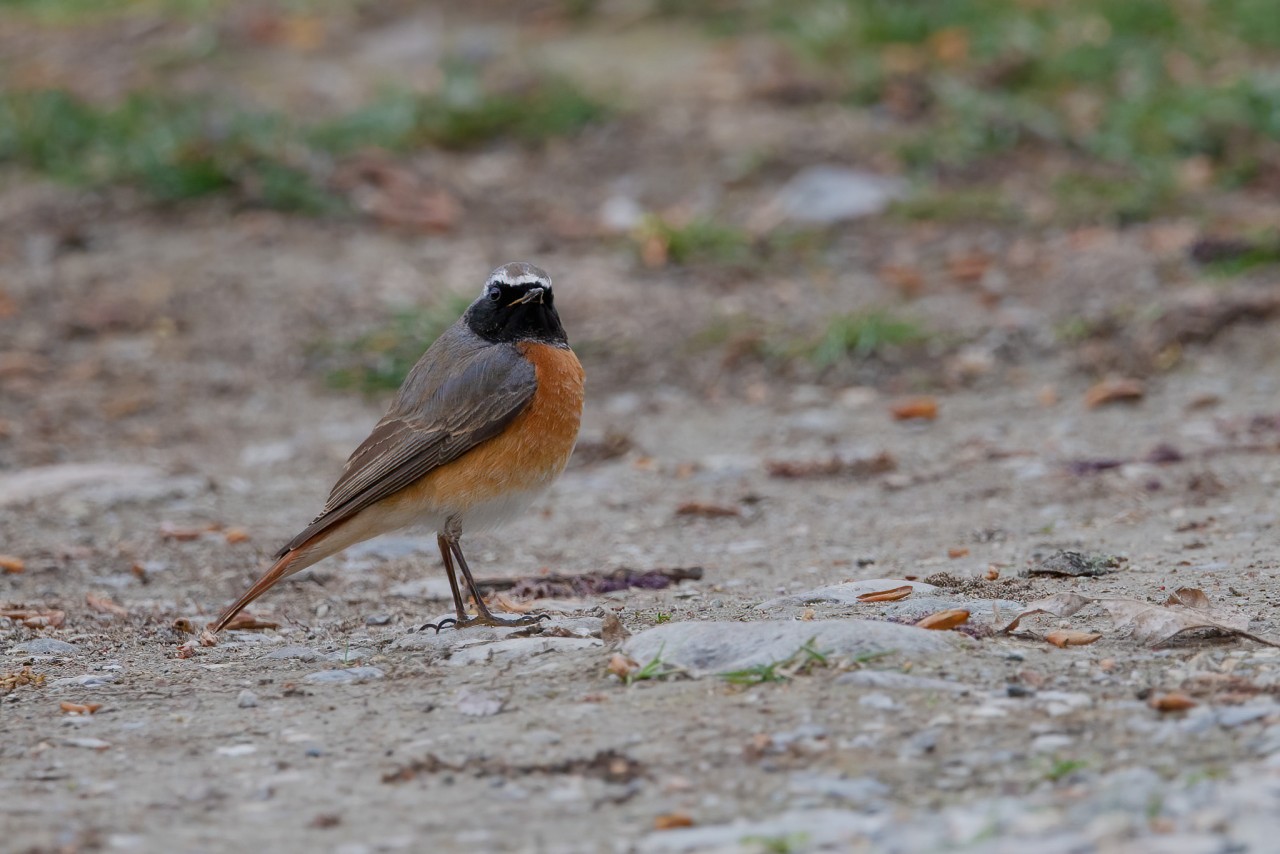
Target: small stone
{"type": "Point", "coordinates": [377, 619]}
{"type": "Point", "coordinates": [478, 704]}
{"type": "Point", "coordinates": [89, 743]}
{"type": "Point", "coordinates": [45, 646]}
{"type": "Point", "coordinates": [877, 700]}
{"type": "Point", "coordinates": [348, 676]}
{"type": "Point", "coordinates": [826, 194]}
{"type": "Point", "coordinates": [88, 680]}
{"type": "Point", "coordinates": [233, 751]}
{"type": "Point", "coordinates": [302, 653]}
{"type": "Point", "coordinates": [247, 699]}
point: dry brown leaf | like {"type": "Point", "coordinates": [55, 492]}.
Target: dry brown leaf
{"type": "Point", "coordinates": [36, 618]}
{"type": "Point", "coordinates": [1157, 624]}
{"type": "Point", "coordinates": [925, 407]}
{"type": "Point", "coordinates": [833, 466]}
{"type": "Point", "coordinates": [622, 666]}
{"type": "Point", "coordinates": [671, 820]}
{"type": "Point", "coordinates": [246, 622]}
{"type": "Point", "coordinates": [180, 534]}
{"type": "Point", "coordinates": [612, 632]}
{"type": "Point", "coordinates": [905, 278]}
{"type": "Point", "coordinates": [699, 508]}
{"type": "Point", "coordinates": [893, 594]}
{"type": "Point", "coordinates": [958, 552]}
{"type": "Point", "coordinates": [11, 564]}
{"type": "Point", "coordinates": [969, 267]}
{"type": "Point", "coordinates": [991, 574]}
{"type": "Point", "coordinates": [948, 619]}
{"type": "Point", "coordinates": [236, 535]}
{"type": "Point", "coordinates": [1113, 391]}
{"type": "Point", "coordinates": [1059, 605]}
{"type": "Point", "coordinates": [1069, 637]}
{"type": "Point", "coordinates": [25, 676]}
{"type": "Point", "coordinates": [1191, 597]}
{"type": "Point", "coordinates": [104, 605]}
{"type": "Point", "coordinates": [80, 708]}
{"type": "Point", "coordinates": [1171, 702]}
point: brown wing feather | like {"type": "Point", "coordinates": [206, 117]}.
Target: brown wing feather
{"type": "Point", "coordinates": [462, 392]}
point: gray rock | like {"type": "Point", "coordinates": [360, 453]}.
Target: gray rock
{"type": "Point", "coordinates": [45, 646]}
{"type": "Point", "coordinates": [829, 829]}
{"type": "Point", "coordinates": [705, 648]}
{"type": "Point", "coordinates": [856, 790]}
{"type": "Point", "coordinates": [1234, 716]}
{"type": "Point", "coordinates": [44, 481]}
{"type": "Point", "coordinates": [517, 649]}
{"type": "Point", "coordinates": [247, 699]}
{"type": "Point", "coordinates": [825, 194]}
{"type": "Point", "coordinates": [302, 653]}
{"type": "Point", "coordinates": [88, 680]}
{"type": "Point", "coordinates": [349, 676]}
{"type": "Point", "coordinates": [891, 680]}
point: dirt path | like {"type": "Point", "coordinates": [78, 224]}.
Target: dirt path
{"type": "Point", "coordinates": [164, 425]}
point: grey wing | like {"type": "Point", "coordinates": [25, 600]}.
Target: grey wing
{"type": "Point", "coordinates": [460, 393]}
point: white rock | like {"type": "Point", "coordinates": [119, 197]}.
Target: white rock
{"type": "Point", "coordinates": [825, 194]}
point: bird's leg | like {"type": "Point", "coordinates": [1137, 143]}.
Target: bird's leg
{"type": "Point", "coordinates": [444, 543]}
{"type": "Point", "coordinates": [485, 618]}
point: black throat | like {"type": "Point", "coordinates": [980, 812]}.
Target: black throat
{"type": "Point", "coordinates": [501, 322]}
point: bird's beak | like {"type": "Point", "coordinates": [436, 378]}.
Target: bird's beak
{"type": "Point", "coordinates": [533, 294]}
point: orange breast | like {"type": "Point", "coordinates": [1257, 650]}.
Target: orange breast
{"type": "Point", "coordinates": [528, 455]}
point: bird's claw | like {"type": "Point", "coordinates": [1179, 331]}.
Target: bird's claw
{"type": "Point", "coordinates": [445, 623]}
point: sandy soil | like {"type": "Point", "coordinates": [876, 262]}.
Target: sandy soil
{"type": "Point", "coordinates": [163, 361]}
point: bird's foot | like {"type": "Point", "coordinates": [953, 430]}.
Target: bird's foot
{"type": "Point", "coordinates": [443, 624]}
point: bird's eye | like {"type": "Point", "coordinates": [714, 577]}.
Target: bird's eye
{"type": "Point", "coordinates": [494, 294]}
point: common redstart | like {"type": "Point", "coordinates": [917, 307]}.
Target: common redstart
{"type": "Point", "coordinates": [484, 422]}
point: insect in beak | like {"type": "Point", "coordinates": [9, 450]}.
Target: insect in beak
{"type": "Point", "coordinates": [533, 294]}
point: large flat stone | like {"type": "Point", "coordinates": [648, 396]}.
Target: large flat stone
{"type": "Point", "coordinates": [705, 648]}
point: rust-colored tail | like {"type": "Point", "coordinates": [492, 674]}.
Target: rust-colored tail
{"type": "Point", "coordinates": [268, 580]}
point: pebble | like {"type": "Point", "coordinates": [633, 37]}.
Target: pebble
{"type": "Point", "coordinates": [88, 680]}
{"type": "Point", "coordinates": [235, 750]}
{"type": "Point", "coordinates": [247, 699]}
{"type": "Point", "coordinates": [348, 676]}
{"type": "Point", "coordinates": [827, 193]}
{"type": "Point", "coordinates": [45, 646]}
{"type": "Point", "coordinates": [710, 647]}
{"type": "Point", "coordinates": [302, 653]}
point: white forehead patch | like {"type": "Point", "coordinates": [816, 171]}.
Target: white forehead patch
{"type": "Point", "coordinates": [517, 275]}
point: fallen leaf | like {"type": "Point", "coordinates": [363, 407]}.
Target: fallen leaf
{"type": "Point", "coordinates": [905, 278]}
{"type": "Point", "coordinates": [246, 622]}
{"type": "Point", "coordinates": [1171, 702]}
{"type": "Point", "coordinates": [1059, 605]}
{"type": "Point", "coordinates": [12, 565]}
{"type": "Point", "coordinates": [180, 534]}
{"type": "Point", "coordinates": [672, 820]}
{"type": "Point", "coordinates": [1157, 624]}
{"type": "Point", "coordinates": [969, 267]}
{"type": "Point", "coordinates": [1113, 391]}
{"type": "Point", "coordinates": [104, 605]}
{"type": "Point", "coordinates": [1068, 637]}
{"type": "Point", "coordinates": [699, 508]}
{"type": "Point", "coordinates": [925, 408]}
{"type": "Point", "coordinates": [25, 676]}
{"type": "Point", "coordinates": [79, 708]}
{"type": "Point", "coordinates": [36, 618]}
{"type": "Point", "coordinates": [991, 574]}
{"type": "Point", "coordinates": [1189, 597]}
{"type": "Point", "coordinates": [957, 552]}
{"type": "Point", "coordinates": [612, 632]}
{"type": "Point", "coordinates": [236, 535]}
{"type": "Point", "coordinates": [893, 594]}
{"type": "Point", "coordinates": [948, 619]}
{"type": "Point", "coordinates": [834, 466]}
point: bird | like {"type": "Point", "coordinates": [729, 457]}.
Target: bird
{"type": "Point", "coordinates": [484, 422]}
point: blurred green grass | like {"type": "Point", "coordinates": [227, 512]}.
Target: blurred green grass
{"type": "Point", "coordinates": [1144, 85]}
{"type": "Point", "coordinates": [181, 148]}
